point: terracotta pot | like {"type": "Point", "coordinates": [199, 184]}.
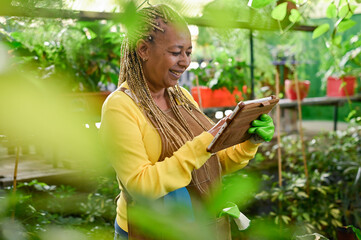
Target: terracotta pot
{"type": "Point", "coordinates": [290, 89]}
{"type": "Point", "coordinates": [344, 233]}
{"type": "Point", "coordinates": [334, 88]}
{"type": "Point", "coordinates": [205, 95]}
{"type": "Point", "coordinates": [217, 98]}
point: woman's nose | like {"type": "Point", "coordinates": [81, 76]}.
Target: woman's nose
{"type": "Point", "coordinates": [184, 60]}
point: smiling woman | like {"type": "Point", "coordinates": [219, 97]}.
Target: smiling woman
{"type": "Point", "coordinates": [155, 133]}
{"type": "Point", "coordinates": [165, 58]}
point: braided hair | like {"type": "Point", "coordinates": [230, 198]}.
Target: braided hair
{"type": "Point", "coordinates": [177, 133]}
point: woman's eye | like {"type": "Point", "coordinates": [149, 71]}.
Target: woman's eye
{"type": "Point", "coordinates": [189, 53]}
{"type": "Point", "coordinates": [176, 53]}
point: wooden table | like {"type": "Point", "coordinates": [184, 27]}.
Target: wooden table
{"type": "Point", "coordinates": [322, 101]}
{"type": "Point", "coordinates": [292, 104]}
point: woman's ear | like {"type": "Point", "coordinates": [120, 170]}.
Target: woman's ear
{"type": "Point", "coordinates": [143, 49]}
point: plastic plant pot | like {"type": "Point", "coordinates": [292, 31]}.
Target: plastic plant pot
{"type": "Point", "coordinates": [335, 88]}
{"type": "Point", "coordinates": [290, 89]}
{"type": "Point", "coordinates": [206, 96]}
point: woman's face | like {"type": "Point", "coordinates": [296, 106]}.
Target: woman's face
{"type": "Point", "coordinates": [168, 57]}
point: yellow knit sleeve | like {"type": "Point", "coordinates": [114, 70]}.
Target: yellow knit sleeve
{"type": "Point", "coordinates": [237, 157]}
{"type": "Point", "coordinates": [134, 148]}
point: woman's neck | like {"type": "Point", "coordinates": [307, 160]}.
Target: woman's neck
{"type": "Point", "coordinates": [161, 99]}
{"type": "Point", "coordinates": [159, 94]}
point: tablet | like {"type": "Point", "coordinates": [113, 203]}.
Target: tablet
{"type": "Point", "coordinates": [235, 129]}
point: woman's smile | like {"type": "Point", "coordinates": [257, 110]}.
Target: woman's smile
{"type": "Point", "coordinates": [176, 74]}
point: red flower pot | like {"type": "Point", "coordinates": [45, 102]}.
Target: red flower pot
{"type": "Point", "coordinates": [205, 94]}
{"type": "Point", "coordinates": [216, 98]}
{"type": "Point", "coordinates": [334, 88]}
{"type": "Point", "coordinates": [290, 89]}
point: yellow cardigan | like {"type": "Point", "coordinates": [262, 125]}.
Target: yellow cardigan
{"type": "Point", "coordinates": [134, 147]}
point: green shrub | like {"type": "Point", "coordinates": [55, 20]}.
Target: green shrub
{"type": "Point", "coordinates": [85, 55]}
{"type": "Point", "coordinates": [333, 198]}
{"type": "Point", "coordinates": [39, 208]}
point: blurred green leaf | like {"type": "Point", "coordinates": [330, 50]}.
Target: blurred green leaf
{"type": "Point", "coordinates": [130, 17]}
{"type": "Point", "coordinates": [337, 40]}
{"type": "Point", "coordinates": [346, 11]}
{"type": "Point", "coordinates": [320, 30]}
{"type": "Point", "coordinates": [273, 231]}
{"type": "Point", "coordinates": [345, 25]}
{"type": "Point", "coordinates": [336, 223]}
{"type": "Point", "coordinates": [286, 219]}
{"type": "Point", "coordinates": [295, 16]}
{"type": "Point", "coordinates": [280, 11]}
{"type": "Point", "coordinates": [351, 13]}
{"type": "Point", "coordinates": [324, 223]}
{"type": "Point", "coordinates": [11, 229]}
{"type": "Point", "coordinates": [302, 195]}
{"type": "Point", "coordinates": [237, 189]}
{"type": "Point", "coordinates": [171, 221]}
{"type": "Point", "coordinates": [331, 11]}
{"type": "Point", "coordinates": [260, 3]}
{"type": "Point", "coordinates": [59, 233]}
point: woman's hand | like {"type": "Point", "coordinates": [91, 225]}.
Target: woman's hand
{"type": "Point", "coordinates": [263, 127]}
{"type": "Point", "coordinates": [214, 130]}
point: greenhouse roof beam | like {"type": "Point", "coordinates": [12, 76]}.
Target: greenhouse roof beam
{"type": "Point", "coordinates": [58, 13]}
{"type": "Point", "coordinates": [93, 16]}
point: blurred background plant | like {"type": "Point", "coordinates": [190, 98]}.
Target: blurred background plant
{"type": "Point", "coordinates": [85, 54]}
{"type": "Point", "coordinates": [342, 51]}
{"type": "Point", "coordinates": [224, 61]}
{"type": "Point", "coordinates": [223, 71]}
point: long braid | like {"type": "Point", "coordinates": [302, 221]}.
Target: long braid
{"type": "Point", "coordinates": [178, 133]}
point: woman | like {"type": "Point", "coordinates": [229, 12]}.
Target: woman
{"type": "Point", "coordinates": [156, 134]}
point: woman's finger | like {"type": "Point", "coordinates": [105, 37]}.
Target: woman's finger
{"type": "Point", "coordinates": [259, 123]}
{"type": "Point", "coordinates": [266, 133]}
{"type": "Point", "coordinates": [252, 130]}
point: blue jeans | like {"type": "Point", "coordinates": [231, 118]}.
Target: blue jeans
{"type": "Point", "coordinates": [119, 233]}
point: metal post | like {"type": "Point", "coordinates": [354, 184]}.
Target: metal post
{"type": "Point", "coordinates": [252, 63]}
{"type": "Point", "coordinates": [335, 116]}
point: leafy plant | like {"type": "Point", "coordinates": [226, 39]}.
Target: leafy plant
{"type": "Point", "coordinates": [334, 197]}
{"type": "Point", "coordinates": [342, 58]}
{"type": "Point", "coordinates": [286, 12]}
{"type": "Point", "coordinates": [224, 71]}
{"type": "Point", "coordinates": [84, 54]}
{"type": "Point", "coordinates": [230, 48]}
{"type": "Point", "coordinates": [343, 54]}
{"type": "Point", "coordinates": [38, 207]}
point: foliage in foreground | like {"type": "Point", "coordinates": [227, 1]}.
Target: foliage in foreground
{"type": "Point", "coordinates": [38, 211]}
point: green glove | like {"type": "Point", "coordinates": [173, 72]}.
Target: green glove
{"type": "Point", "coordinates": [240, 219]}
{"type": "Point", "coordinates": [263, 127]}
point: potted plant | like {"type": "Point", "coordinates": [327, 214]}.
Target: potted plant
{"type": "Point", "coordinates": [285, 61]}
{"type": "Point", "coordinates": [342, 54]}
{"type": "Point", "coordinates": [89, 64]}
{"type": "Point", "coordinates": [222, 82]}
{"type": "Point", "coordinates": [290, 89]}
